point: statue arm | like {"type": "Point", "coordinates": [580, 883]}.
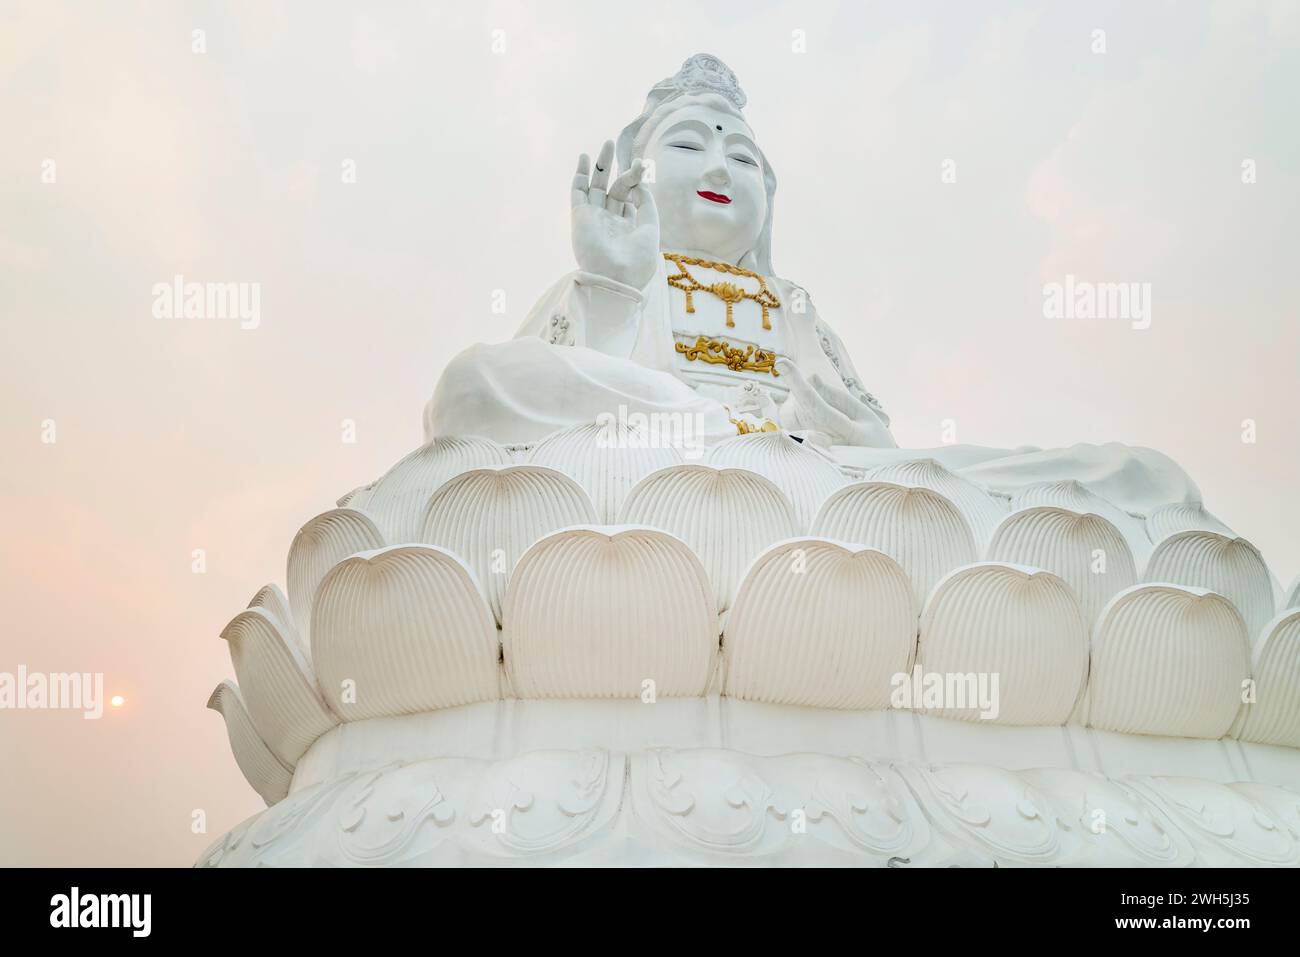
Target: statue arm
{"type": "Point", "coordinates": [584, 309]}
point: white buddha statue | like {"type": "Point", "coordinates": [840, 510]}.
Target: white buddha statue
{"type": "Point", "coordinates": [675, 307]}
{"type": "Point", "coordinates": [675, 275]}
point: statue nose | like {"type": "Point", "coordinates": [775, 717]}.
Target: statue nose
{"type": "Point", "coordinates": [717, 175]}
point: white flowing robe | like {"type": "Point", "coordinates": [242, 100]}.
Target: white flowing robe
{"type": "Point", "coordinates": [547, 379]}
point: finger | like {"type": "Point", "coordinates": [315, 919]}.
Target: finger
{"type": "Point", "coordinates": [581, 179]}
{"type": "Point", "coordinates": [600, 176]}
{"type": "Point", "coordinates": [822, 414]}
{"type": "Point", "coordinates": [647, 214]}
{"type": "Point", "coordinates": [626, 182]}
{"type": "Point", "coordinates": [798, 384]}
{"type": "Point", "coordinates": [629, 212]}
{"type": "Point", "coordinates": [834, 397]}
{"type": "Point", "coordinates": [801, 393]}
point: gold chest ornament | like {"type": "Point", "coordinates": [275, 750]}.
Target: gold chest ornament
{"type": "Point", "coordinates": [728, 292]}
{"type": "Point", "coordinates": [719, 351]}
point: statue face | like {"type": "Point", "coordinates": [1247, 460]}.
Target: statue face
{"type": "Point", "coordinates": [708, 183]}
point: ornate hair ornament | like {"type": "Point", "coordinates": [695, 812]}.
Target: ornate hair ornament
{"type": "Point", "coordinates": [702, 73]}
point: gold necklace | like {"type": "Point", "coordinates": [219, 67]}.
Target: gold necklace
{"type": "Point", "coordinates": [728, 292]}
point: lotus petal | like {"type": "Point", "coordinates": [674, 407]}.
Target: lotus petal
{"type": "Point", "coordinates": [599, 612]}
{"type": "Point", "coordinates": [277, 685]}
{"type": "Point", "coordinates": [489, 517]}
{"type": "Point", "coordinates": [727, 517]}
{"type": "Point", "coordinates": [1087, 551]}
{"type": "Point", "coordinates": [1182, 517]}
{"type": "Point", "coordinates": [271, 600]}
{"type": "Point", "coordinates": [260, 767]}
{"type": "Point", "coordinates": [346, 498]}
{"type": "Point", "coordinates": [1292, 597]}
{"type": "Point", "coordinates": [320, 545]}
{"type": "Point", "coordinates": [1077, 497]}
{"type": "Point", "coordinates": [1168, 660]}
{"type": "Point", "coordinates": [917, 527]}
{"type": "Point", "coordinates": [397, 500]}
{"type": "Point", "coordinates": [1231, 567]}
{"type": "Point", "coordinates": [400, 630]}
{"type": "Point", "coordinates": [805, 475]}
{"type": "Point", "coordinates": [1023, 625]}
{"type": "Point", "coordinates": [981, 510]}
{"type": "Point", "coordinates": [605, 459]}
{"type": "Point", "coordinates": [819, 624]}
{"type": "Point", "coordinates": [1274, 717]}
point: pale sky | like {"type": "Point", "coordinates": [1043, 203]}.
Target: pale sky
{"type": "Point", "coordinates": [226, 165]}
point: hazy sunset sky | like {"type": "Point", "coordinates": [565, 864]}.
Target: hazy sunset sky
{"type": "Point", "coordinates": [175, 435]}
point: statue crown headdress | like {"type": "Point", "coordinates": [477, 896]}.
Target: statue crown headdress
{"type": "Point", "coordinates": [704, 73]}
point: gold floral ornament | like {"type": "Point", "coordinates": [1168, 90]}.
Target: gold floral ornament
{"type": "Point", "coordinates": [728, 292]}
{"type": "Point", "coordinates": [720, 352]}
{"type": "Point", "coordinates": [748, 428]}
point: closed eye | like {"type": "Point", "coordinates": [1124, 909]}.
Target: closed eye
{"type": "Point", "coordinates": [687, 146]}
{"type": "Point", "coordinates": [744, 159]}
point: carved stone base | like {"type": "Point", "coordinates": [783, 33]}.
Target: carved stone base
{"type": "Point", "coordinates": [716, 806]}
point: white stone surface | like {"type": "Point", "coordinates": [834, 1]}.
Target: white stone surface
{"type": "Point", "coordinates": [403, 629]}
{"type": "Point", "coordinates": [610, 612]}
{"type": "Point", "coordinates": [1168, 660]}
{"type": "Point", "coordinates": [264, 772]}
{"type": "Point", "coordinates": [621, 782]}
{"type": "Point", "coordinates": [605, 460]}
{"type": "Point", "coordinates": [1182, 517]}
{"type": "Point", "coordinates": [489, 517]}
{"type": "Point", "coordinates": [727, 517]}
{"type": "Point", "coordinates": [320, 545]}
{"type": "Point", "coordinates": [1077, 497]}
{"type": "Point", "coordinates": [1232, 567]}
{"type": "Point", "coordinates": [1273, 717]}
{"type": "Point", "coordinates": [806, 476]}
{"type": "Point", "coordinates": [396, 500]}
{"type": "Point", "coordinates": [1021, 624]}
{"type": "Point", "coordinates": [817, 623]}
{"type": "Point", "coordinates": [919, 528]}
{"type": "Point", "coordinates": [278, 685]}
{"type": "Point", "coordinates": [1086, 551]}
{"type": "Point", "coordinates": [981, 510]}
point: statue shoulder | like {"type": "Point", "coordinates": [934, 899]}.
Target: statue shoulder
{"type": "Point", "coordinates": [796, 303]}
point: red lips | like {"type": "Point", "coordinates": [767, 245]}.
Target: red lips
{"type": "Point", "coordinates": [714, 197]}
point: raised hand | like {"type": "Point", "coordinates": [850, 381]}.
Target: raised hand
{"type": "Point", "coordinates": [615, 227]}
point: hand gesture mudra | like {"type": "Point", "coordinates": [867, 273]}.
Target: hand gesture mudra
{"type": "Point", "coordinates": [814, 405]}
{"type": "Point", "coordinates": [615, 227]}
